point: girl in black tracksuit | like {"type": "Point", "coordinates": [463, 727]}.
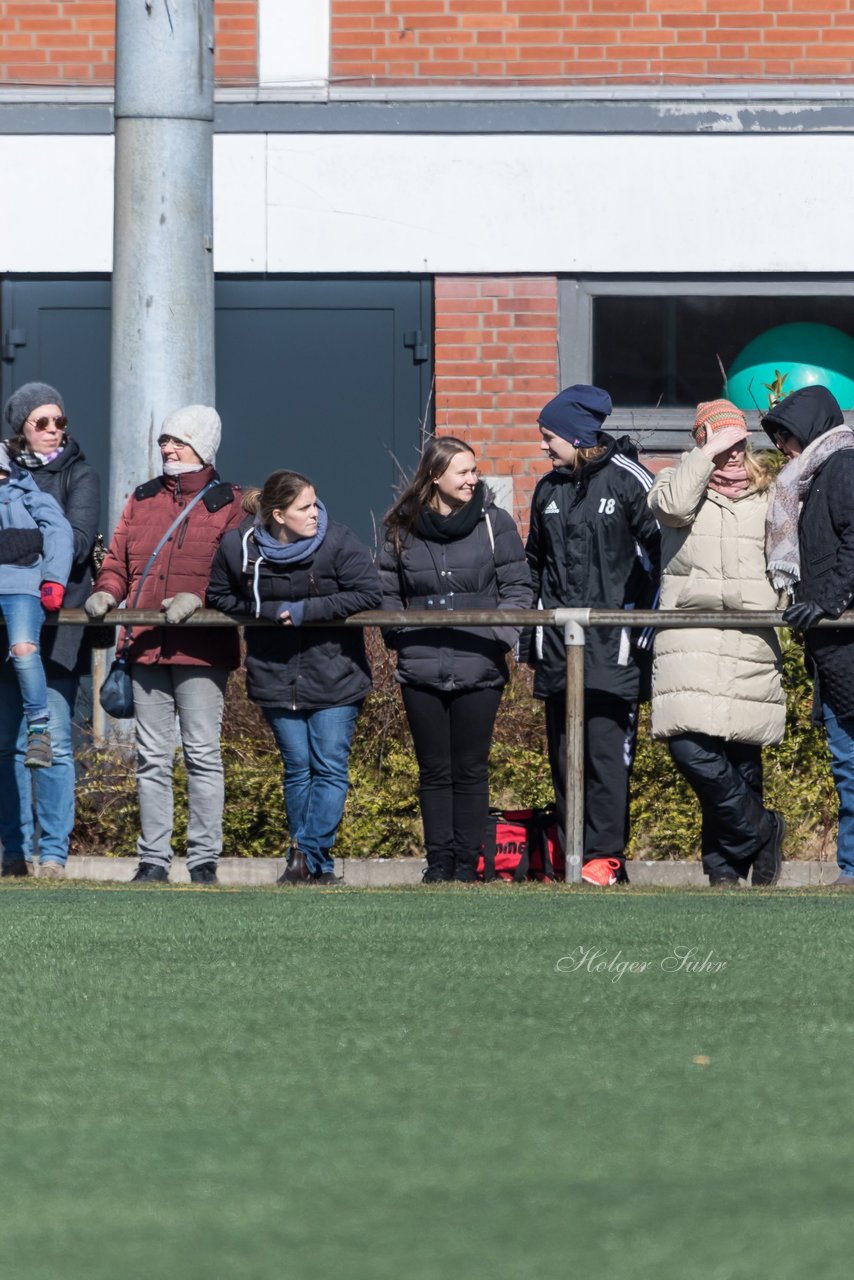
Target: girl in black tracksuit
{"type": "Point", "coordinates": [593, 543]}
{"type": "Point", "coordinates": [449, 547]}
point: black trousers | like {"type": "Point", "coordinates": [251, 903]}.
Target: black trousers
{"type": "Point", "coordinates": [727, 777]}
{"type": "Point", "coordinates": [610, 735]}
{"type": "Point", "coordinates": [452, 734]}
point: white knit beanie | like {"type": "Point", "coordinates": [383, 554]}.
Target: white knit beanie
{"type": "Point", "coordinates": [197, 425]}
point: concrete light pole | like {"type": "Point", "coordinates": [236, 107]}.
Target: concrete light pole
{"type": "Point", "coordinates": [163, 298]}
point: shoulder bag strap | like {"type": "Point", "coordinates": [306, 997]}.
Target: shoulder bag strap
{"type": "Point", "coordinates": [155, 553]}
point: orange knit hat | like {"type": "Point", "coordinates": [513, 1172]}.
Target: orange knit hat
{"type": "Point", "coordinates": [717, 415]}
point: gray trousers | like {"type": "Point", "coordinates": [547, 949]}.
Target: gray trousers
{"type": "Point", "coordinates": [196, 695]}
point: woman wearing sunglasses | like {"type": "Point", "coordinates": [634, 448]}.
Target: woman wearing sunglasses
{"type": "Point", "coordinates": [38, 441]}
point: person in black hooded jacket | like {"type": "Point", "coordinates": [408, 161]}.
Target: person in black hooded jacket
{"type": "Point", "coordinates": [291, 564]}
{"type": "Point", "coordinates": [39, 442]}
{"type": "Point", "coordinates": [810, 548]}
{"type": "Point", "coordinates": [448, 547]}
{"type": "Point", "coordinates": [593, 543]}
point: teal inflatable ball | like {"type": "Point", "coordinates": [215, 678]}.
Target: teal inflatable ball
{"type": "Point", "coordinates": [788, 358]}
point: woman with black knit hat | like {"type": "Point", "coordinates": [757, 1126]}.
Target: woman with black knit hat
{"type": "Point", "coordinates": [592, 544]}
{"type": "Point", "coordinates": [448, 546]}
{"type": "Point", "coordinates": [38, 440]}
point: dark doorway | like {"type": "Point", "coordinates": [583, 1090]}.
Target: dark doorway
{"type": "Point", "coordinates": [326, 376]}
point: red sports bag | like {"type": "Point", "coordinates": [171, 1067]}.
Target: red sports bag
{"type": "Point", "coordinates": [522, 844]}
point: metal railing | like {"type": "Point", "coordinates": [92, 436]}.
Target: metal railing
{"type": "Point", "coordinates": [574, 622]}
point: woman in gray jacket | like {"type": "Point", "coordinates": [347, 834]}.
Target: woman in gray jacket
{"type": "Point", "coordinates": [717, 695]}
{"type": "Point", "coordinates": [449, 547]}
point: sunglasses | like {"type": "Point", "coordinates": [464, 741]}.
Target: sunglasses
{"type": "Point", "coordinates": [42, 424]}
{"type": "Point", "coordinates": [780, 438]}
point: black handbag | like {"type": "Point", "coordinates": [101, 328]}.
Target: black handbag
{"type": "Point", "coordinates": [116, 694]}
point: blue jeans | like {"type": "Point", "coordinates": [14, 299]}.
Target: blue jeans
{"type": "Point", "coordinates": [23, 616]}
{"type": "Point", "coordinates": [315, 747]}
{"type": "Point", "coordinates": [54, 787]}
{"type": "Point", "coordinates": [840, 741]}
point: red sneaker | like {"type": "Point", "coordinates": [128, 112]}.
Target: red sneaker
{"type": "Point", "coordinates": [601, 871]}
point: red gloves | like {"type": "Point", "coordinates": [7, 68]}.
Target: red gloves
{"type": "Point", "coordinates": [52, 596]}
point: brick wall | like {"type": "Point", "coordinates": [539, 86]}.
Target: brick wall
{"type": "Point", "coordinates": [587, 41]}
{"type": "Point", "coordinates": [72, 41]}
{"type": "Point", "coordinates": [496, 366]}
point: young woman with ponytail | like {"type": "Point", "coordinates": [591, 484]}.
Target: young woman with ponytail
{"type": "Point", "coordinates": [289, 563]}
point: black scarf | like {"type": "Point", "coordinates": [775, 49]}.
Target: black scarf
{"type": "Point", "coordinates": [434, 527]}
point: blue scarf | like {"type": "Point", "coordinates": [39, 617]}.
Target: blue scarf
{"type": "Point", "coordinates": [291, 552]}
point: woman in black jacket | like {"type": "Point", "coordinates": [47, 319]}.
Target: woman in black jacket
{"type": "Point", "coordinates": [38, 441]}
{"type": "Point", "coordinates": [449, 547]}
{"type": "Point", "coordinates": [291, 564]}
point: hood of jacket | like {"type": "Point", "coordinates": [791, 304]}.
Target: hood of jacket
{"type": "Point", "coordinates": [806, 414]}
{"type": "Point", "coordinates": [18, 482]}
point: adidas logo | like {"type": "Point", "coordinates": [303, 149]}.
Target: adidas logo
{"type": "Point", "coordinates": [552, 509]}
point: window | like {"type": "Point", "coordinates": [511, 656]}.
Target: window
{"type": "Point", "coordinates": [660, 346]}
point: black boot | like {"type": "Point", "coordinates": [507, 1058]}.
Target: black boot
{"type": "Point", "coordinates": [18, 867]}
{"type": "Point", "coordinates": [296, 868]}
{"type": "Point", "coordinates": [204, 873]}
{"type": "Point", "coordinates": [150, 873]}
{"type": "Point", "coordinates": [768, 862]}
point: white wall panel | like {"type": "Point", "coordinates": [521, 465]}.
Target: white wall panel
{"type": "Point", "coordinates": [568, 203]}
{"type": "Point", "coordinates": [240, 202]}
{"type": "Point", "coordinates": [56, 203]}
{"type": "Point", "coordinates": [385, 203]}
{"type": "Point", "coordinates": [293, 42]}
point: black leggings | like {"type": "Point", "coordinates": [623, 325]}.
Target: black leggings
{"type": "Point", "coordinates": [452, 734]}
{"type": "Point", "coordinates": [727, 777]}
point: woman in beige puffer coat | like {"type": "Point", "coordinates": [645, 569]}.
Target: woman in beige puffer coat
{"type": "Point", "coordinates": [717, 695]}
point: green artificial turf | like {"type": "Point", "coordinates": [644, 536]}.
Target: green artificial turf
{"type": "Point", "coordinates": [403, 1085]}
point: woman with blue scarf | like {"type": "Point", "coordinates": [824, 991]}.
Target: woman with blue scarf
{"type": "Point", "coordinates": [291, 564]}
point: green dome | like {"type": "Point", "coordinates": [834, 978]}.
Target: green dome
{"type": "Point", "coordinates": [788, 358]}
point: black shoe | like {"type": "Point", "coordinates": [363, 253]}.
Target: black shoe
{"type": "Point", "coordinates": [18, 867]}
{"type": "Point", "coordinates": [296, 868]}
{"type": "Point", "coordinates": [436, 875]}
{"type": "Point", "coordinates": [723, 882]}
{"type": "Point", "coordinates": [768, 862]}
{"type": "Point", "coordinates": [204, 873]}
{"type": "Point", "coordinates": [150, 873]}
{"type": "Point", "coordinates": [326, 877]}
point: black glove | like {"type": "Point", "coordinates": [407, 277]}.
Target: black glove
{"type": "Point", "coordinates": [20, 546]}
{"type": "Point", "coordinates": [803, 614]}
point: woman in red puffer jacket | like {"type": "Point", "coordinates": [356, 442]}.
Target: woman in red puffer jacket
{"type": "Point", "coordinates": [176, 669]}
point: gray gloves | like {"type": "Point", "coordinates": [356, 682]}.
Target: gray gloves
{"type": "Point", "coordinates": [99, 604]}
{"type": "Point", "coordinates": [180, 607]}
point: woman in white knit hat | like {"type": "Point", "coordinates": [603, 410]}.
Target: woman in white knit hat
{"type": "Point", "coordinates": [176, 669]}
{"type": "Point", "coordinates": [717, 695]}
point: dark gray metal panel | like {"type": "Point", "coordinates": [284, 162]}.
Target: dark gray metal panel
{"type": "Point", "coordinates": [480, 116]}
{"type": "Point", "coordinates": [51, 117]}
{"type": "Point", "coordinates": [312, 374]}
{"type": "Point", "coordinates": [66, 324]}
